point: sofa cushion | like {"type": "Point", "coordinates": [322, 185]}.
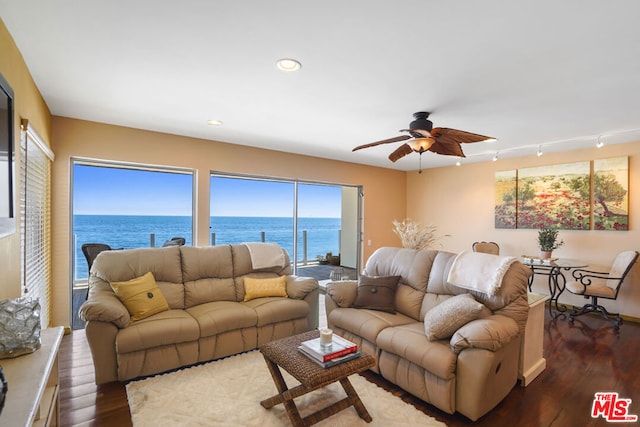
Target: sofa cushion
{"type": "Point", "coordinates": [366, 323]}
{"type": "Point", "coordinates": [377, 293]}
{"type": "Point", "coordinates": [141, 296]}
{"type": "Point", "coordinates": [272, 310]}
{"type": "Point", "coordinates": [264, 287]}
{"type": "Point", "coordinates": [409, 342]}
{"type": "Point", "coordinates": [222, 316]}
{"type": "Point", "coordinates": [448, 316]}
{"type": "Point", "coordinates": [208, 274]}
{"type": "Point", "coordinates": [166, 328]}
{"type": "Point", "coordinates": [413, 266]}
{"type": "Point", "coordinates": [127, 264]}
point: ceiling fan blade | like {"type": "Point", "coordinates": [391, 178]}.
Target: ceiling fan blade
{"type": "Point", "coordinates": [400, 152]}
{"type": "Point", "coordinates": [384, 141]}
{"type": "Point", "coordinates": [447, 135]}
{"type": "Point", "coordinates": [447, 148]}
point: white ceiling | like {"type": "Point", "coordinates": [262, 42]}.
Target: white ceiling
{"type": "Point", "coordinates": [557, 73]}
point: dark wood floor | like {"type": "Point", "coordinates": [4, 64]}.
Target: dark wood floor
{"type": "Point", "coordinates": [583, 358]}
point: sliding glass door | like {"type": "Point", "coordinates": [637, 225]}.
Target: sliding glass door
{"type": "Point", "coordinates": [318, 224]}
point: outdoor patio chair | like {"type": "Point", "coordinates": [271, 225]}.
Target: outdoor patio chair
{"type": "Point", "coordinates": [90, 252]}
{"type": "Point", "coordinates": [176, 241]}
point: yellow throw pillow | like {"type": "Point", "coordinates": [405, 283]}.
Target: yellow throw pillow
{"type": "Point", "coordinates": [259, 288]}
{"type": "Point", "coordinates": [141, 296]}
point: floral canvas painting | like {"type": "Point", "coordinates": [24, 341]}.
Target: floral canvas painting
{"type": "Point", "coordinates": [556, 195]}
{"type": "Point", "coordinates": [505, 199]}
{"type": "Point", "coordinates": [611, 194]}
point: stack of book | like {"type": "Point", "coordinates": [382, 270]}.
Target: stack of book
{"type": "Point", "coordinates": [340, 350]}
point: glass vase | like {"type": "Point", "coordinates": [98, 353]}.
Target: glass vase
{"type": "Point", "coordinates": [19, 327]}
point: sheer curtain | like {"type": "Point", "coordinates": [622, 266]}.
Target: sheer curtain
{"type": "Point", "coordinates": [35, 219]}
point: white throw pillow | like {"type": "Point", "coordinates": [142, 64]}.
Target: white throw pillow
{"type": "Point", "coordinates": [447, 317]}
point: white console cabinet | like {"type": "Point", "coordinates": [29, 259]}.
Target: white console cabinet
{"type": "Point", "coordinates": [32, 380]}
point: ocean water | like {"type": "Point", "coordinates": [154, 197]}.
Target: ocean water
{"type": "Point", "coordinates": [133, 231]}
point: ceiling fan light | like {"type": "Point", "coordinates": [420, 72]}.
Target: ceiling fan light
{"type": "Point", "coordinates": [420, 145]}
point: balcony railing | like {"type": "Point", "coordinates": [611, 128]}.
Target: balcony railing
{"type": "Point", "coordinates": [81, 270]}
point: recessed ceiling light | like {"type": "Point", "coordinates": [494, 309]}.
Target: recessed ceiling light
{"type": "Point", "coordinates": [288, 64]}
{"type": "Point", "coordinates": [214, 122]}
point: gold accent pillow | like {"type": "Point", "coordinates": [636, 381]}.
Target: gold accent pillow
{"type": "Point", "coordinates": [141, 296]}
{"type": "Point", "coordinates": [260, 288]}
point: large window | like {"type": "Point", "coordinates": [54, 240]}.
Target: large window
{"type": "Point", "coordinates": [129, 206]}
{"type": "Point", "coordinates": [307, 219]}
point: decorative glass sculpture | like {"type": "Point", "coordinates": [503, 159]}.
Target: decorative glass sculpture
{"type": "Point", "coordinates": [19, 327]}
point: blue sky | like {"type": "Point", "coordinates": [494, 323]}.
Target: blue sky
{"type": "Point", "coordinates": [115, 191]}
{"type": "Point", "coordinates": [240, 197]}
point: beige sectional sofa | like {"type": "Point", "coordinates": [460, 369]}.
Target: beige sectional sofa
{"type": "Point", "coordinates": [468, 368]}
{"type": "Point", "coordinates": [206, 316]}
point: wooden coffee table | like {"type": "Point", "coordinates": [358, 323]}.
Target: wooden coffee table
{"type": "Point", "coordinates": [284, 354]}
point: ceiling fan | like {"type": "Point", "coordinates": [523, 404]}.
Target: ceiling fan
{"type": "Point", "coordinates": [424, 137]}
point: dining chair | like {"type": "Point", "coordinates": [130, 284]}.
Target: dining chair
{"type": "Point", "coordinates": [486, 247]}
{"type": "Point", "coordinates": [597, 284]}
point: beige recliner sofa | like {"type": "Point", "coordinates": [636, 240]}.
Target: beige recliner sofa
{"type": "Point", "coordinates": [207, 317]}
{"type": "Point", "coordinates": [469, 371]}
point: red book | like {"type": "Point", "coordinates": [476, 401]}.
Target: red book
{"type": "Point", "coordinates": [338, 348]}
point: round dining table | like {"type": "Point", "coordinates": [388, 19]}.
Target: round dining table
{"type": "Point", "coordinates": [552, 268]}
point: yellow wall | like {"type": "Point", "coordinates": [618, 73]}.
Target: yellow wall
{"type": "Point", "coordinates": [28, 104]}
{"type": "Point", "coordinates": [460, 201]}
{"type": "Point", "coordinates": [384, 189]}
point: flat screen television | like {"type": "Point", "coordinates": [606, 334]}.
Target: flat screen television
{"type": "Point", "coordinates": [7, 211]}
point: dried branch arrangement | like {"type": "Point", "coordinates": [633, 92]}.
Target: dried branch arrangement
{"type": "Point", "coordinates": [414, 236]}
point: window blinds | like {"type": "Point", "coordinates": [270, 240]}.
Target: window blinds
{"type": "Point", "coordinates": [35, 219]}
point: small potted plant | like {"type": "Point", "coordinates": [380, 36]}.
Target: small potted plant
{"type": "Point", "coordinates": [548, 241]}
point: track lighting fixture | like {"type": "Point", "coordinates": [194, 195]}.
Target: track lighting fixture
{"type": "Point", "coordinates": [599, 144]}
{"type": "Point", "coordinates": [539, 153]}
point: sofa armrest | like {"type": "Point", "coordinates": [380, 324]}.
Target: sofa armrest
{"type": "Point", "coordinates": [306, 289]}
{"type": "Point", "coordinates": [300, 287]}
{"type": "Point", "coordinates": [490, 333]}
{"type": "Point", "coordinates": [104, 306]}
{"type": "Point", "coordinates": [101, 337]}
{"type": "Point", "coordinates": [343, 293]}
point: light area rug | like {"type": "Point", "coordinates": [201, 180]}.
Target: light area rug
{"type": "Point", "coordinates": [228, 392]}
